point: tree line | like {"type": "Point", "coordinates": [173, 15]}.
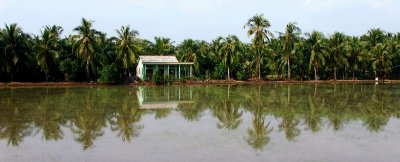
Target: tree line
{"type": "Point", "coordinates": [90, 55]}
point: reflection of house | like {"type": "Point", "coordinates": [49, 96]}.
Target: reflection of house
{"type": "Point", "coordinates": [167, 65]}
{"type": "Point", "coordinates": [164, 97]}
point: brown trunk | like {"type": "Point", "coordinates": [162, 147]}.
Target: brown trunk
{"type": "Point", "coordinates": [87, 70]}
{"type": "Point", "coordinates": [288, 68]}
{"type": "Point", "coordinates": [229, 78]}
{"type": "Point", "coordinates": [315, 73]}
{"type": "Point", "coordinates": [334, 73]}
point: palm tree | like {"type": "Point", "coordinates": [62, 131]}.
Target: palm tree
{"type": "Point", "coordinates": [358, 59]}
{"type": "Point", "coordinates": [84, 43]}
{"type": "Point", "coordinates": [15, 46]}
{"type": "Point", "coordinates": [337, 48]}
{"type": "Point", "coordinates": [163, 46]}
{"type": "Point", "coordinates": [258, 27]}
{"type": "Point", "coordinates": [125, 46]}
{"type": "Point", "coordinates": [48, 48]}
{"type": "Point", "coordinates": [229, 47]}
{"type": "Point", "coordinates": [289, 40]}
{"type": "Point", "coordinates": [381, 59]}
{"type": "Point", "coordinates": [317, 49]}
{"type": "Point", "coordinates": [189, 51]}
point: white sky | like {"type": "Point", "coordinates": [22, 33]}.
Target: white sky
{"type": "Point", "coordinates": [202, 19]}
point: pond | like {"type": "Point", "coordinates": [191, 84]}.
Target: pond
{"type": "Point", "coordinates": [273, 122]}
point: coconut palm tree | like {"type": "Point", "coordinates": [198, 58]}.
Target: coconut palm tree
{"type": "Point", "coordinates": [229, 48]}
{"type": "Point", "coordinates": [358, 55]}
{"type": "Point", "coordinates": [48, 48]}
{"type": "Point", "coordinates": [126, 46]}
{"type": "Point", "coordinates": [337, 46]}
{"type": "Point", "coordinates": [289, 40]}
{"type": "Point", "coordinates": [258, 27]}
{"type": "Point", "coordinates": [188, 51]}
{"type": "Point", "coordinates": [381, 59]}
{"type": "Point", "coordinates": [317, 49]}
{"type": "Point", "coordinates": [15, 47]}
{"type": "Point", "coordinates": [84, 43]}
{"type": "Point", "coordinates": [163, 46]}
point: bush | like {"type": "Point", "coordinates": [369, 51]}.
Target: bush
{"type": "Point", "coordinates": [109, 74]}
{"type": "Point", "coordinates": [69, 68]}
{"type": "Point", "coordinates": [242, 75]}
{"type": "Point", "coordinates": [158, 78]}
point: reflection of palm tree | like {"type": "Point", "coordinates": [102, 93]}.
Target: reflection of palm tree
{"type": "Point", "coordinates": [258, 136]}
{"type": "Point", "coordinates": [48, 119]}
{"type": "Point", "coordinates": [228, 115]}
{"type": "Point", "coordinates": [124, 122]}
{"type": "Point", "coordinates": [16, 129]}
{"type": "Point", "coordinates": [88, 125]}
{"type": "Point", "coordinates": [289, 125]}
{"type": "Point", "coordinates": [313, 118]}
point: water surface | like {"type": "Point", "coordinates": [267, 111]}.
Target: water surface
{"type": "Point", "coordinates": [302, 122]}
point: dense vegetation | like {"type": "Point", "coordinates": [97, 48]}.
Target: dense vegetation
{"type": "Point", "coordinates": [89, 55]}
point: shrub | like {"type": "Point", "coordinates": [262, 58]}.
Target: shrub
{"type": "Point", "coordinates": [242, 75]}
{"type": "Point", "coordinates": [109, 74]}
{"type": "Point", "coordinates": [69, 68]}
{"type": "Point", "coordinates": [158, 78]}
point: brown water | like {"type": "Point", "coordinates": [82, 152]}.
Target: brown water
{"type": "Point", "coordinates": [304, 122]}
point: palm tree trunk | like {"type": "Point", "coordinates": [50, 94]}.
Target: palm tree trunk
{"type": "Point", "coordinates": [353, 75]}
{"type": "Point", "coordinates": [288, 65]}
{"type": "Point", "coordinates": [334, 73]}
{"type": "Point", "coordinates": [315, 73]}
{"type": "Point", "coordinates": [87, 70]}
{"type": "Point", "coordinates": [259, 65]}
{"type": "Point", "coordinates": [11, 77]}
{"type": "Point", "coordinates": [228, 74]}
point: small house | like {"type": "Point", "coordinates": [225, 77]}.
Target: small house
{"type": "Point", "coordinates": [166, 65]}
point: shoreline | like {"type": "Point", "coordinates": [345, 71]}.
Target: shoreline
{"type": "Point", "coordinates": [210, 82]}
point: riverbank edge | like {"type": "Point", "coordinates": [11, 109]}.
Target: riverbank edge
{"type": "Point", "coordinates": [210, 82]}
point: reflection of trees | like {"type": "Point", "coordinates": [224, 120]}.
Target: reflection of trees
{"type": "Point", "coordinates": [228, 115]}
{"type": "Point", "coordinates": [258, 135]}
{"type": "Point", "coordinates": [88, 123]}
{"type": "Point", "coordinates": [227, 112]}
{"type": "Point", "coordinates": [49, 118]}
{"type": "Point", "coordinates": [86, 110]}
{"type": "Point", "coordinates": [313, 115]}
{"type": "Point", "coordinates": [124, 121]}
{"type": "Point", "coordinates": [15, 123]}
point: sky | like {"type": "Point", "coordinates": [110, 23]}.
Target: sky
{"type": "Point", "coordinates": [202, 19]}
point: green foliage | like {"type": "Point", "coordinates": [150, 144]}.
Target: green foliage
{"type": "Point", "coordinates": [242, 75]}
{"type": "Point", "coordinates": [109, 74]}
{"type": "Point", "coordinates": [69, 68]}
{"type": "Point", "coordinates": [158, 78]}
{"type": "Point", "coordinates": [219, 71]}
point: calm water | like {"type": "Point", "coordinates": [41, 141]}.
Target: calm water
{"type": "Point", "coordinates": [305, 122]}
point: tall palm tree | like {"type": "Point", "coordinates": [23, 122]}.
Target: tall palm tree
{"type": "Point", "coordinates": [84, 43]}
{"type": "Point", "coordinates": [358, 55]}
{"type": "Point", "coordinates": [48, 48]}
{"type": "Point", "coordinates": [229, 48]}
{"type": "Point", "coordinates": [337, 46]}
{"type": "Point", "coordinates": [163, 46]}
{"type": "Point", "coordinates": [381, 59]}
{"type": "Point", "coordinates": [15, 46]}
{"type": "Point", "coordinates": [126, 47]}
{"type": "Point", "coordinates": [317, 49]}
{"type": "Point", "coordinates": [258, 27]}
{"type": "Point", "coordinates": [289, 40]}
{"type": "Point", "coordinates": [189, 51]}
